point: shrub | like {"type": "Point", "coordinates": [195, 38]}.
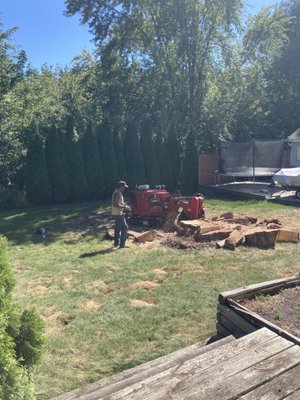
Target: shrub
{"type": "Point", "coordinates": [12, 198]}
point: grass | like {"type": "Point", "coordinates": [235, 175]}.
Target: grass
{"type": "Point", "coordinates": [107, 310]}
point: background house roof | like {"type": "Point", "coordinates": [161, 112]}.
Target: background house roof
{"type": "Point", "coordinates": [295, 136]}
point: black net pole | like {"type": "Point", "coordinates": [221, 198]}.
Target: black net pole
{"type": "Point", "coordinates": [253, 160]}
{"type": "Point", "coordinates": [219, 162]}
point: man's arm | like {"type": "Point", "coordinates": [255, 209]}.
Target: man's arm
{"type": "Point", "coordinates": [117, 201]}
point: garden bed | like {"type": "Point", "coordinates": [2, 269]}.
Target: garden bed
{"type": "Point", "coordinates": [273, 304]}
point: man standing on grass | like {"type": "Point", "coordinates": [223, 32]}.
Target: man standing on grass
{"type": "Point", "coordinates": [117, 211]}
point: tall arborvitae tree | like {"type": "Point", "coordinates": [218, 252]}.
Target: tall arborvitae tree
{"type": "Point", "coordinates": [159, 151]}
{"type": "Point", "coordinates": [38, 188]}
{"type": "Point", "coordinates": [189, 172]}
{"type": "Point", "coordinates": [108, 160]}
{"type": "Point", "coordinates": [167, 168]}
{"type": "Point", "coordinates": [92, 163]}
{"type": "Point", "coordinates": [76, 176]}
{"type": "Point", "coordinates": [56, 163]}
{"type": "Point", "coordinates": [119, 153]}
{"type": "Point", "coordinates": [133, 156]}
{"type": "Point", "coordinates": [163, 161]}
{"type": "Point", "coordinates": [149, 154]}
{"type": "Point", "coordinates": [174, 152]}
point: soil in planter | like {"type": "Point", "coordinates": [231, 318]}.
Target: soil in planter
{"type": "Point", "coordinates": [282, 309]}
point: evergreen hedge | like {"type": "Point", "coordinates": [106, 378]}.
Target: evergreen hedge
{"type": "Point", "coordinates": [72, 167]}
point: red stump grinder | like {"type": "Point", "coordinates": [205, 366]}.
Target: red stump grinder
{"type": "Point", "coordinates": [154, 207]}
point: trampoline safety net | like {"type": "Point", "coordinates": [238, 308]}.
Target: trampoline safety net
{"type": "Point", "coordinates": [249, 159]}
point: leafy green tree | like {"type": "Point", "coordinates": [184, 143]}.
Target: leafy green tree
{"type": "Point", "coordinates": [283, 85]}
{"type": "Point", "coordinates": [38, 188]}
{"type": "Point", "coordinates": [178, 42]}
{"type": "Point", "coordinates": [107, 155]}
{"type": "Point", "coordinates": [75, 168]}
{"type": "Point", "coordinates": [12, 63]}
{"type": "Point", "coordinates": [21, 339]}
{"type": "Point", "coordinates": [262, 43]}
{"type": "Point", "coordinates": [92, 163]}
{"type": "Point", "coordinates": [133, 156]}
{"type": "Point", "coordinates": [56, 164]}
{"type": "Point", "coordinates": [82, 91]}
{"type": "Point", "coordinates": [164, 162]}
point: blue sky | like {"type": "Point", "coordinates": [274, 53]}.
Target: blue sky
{"type": "Point", "coordinates": [47, 36]}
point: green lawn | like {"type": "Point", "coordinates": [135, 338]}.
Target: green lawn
{"type": "Point", "coordinates": [107, 310]}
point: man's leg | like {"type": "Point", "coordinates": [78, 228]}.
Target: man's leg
{"type": "Point", "coordinates": [117, 231]}
{"type": "Point", "coordinates": [124, 229]}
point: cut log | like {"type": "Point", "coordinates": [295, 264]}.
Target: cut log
{"type": "Point", "coordinates": [110, 233]}
{"type": "Point", "coordinates": [284, 235]}
{"type": "Point", "coordinates": [219, 234]}
{"type": "Point", "coordinates": [261, 238]}
{"type": "Point", "coordinates": [200, 225]}
{"type": "Point", "coordinates": [147, 236]}
{"type": "Point", "coordinates": [234, 239]}
{"type": "Point", "coordinates": [220, 244]}
{"type": "Point", "coordinates": [132, 234]}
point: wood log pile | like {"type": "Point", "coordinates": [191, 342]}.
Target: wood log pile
{"type": "Point", "coordinates": [226, 231]}
{"type": "Point", "coordinates": [229, 231]}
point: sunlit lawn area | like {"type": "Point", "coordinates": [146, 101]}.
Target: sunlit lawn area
{"type": "Point", "coordinates": [107, 310]}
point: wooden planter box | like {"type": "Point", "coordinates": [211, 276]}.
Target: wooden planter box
{"type": "Point", "coordinates": [235, 319]}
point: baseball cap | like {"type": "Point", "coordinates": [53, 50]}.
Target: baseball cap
{"type": "Point", "coordinates": [122, 183]}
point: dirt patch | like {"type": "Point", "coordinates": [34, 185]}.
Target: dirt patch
{"type": "Point", "coordinates": [234, 267]}
{"type": "Point", "coordinates": [91, 305]}
{"type": "Point", "coordinates": [99, 287]}
{"type": "Point", "coordinates": [20, 267]}
{"type": "Point", "coordinates": [48, 312]}
{"type": "Point", "coordinates": [40, 285]}
{"type": "Point", "coordinates": [140, 303]}
{"type": "Point", "coordinates": [159, 271]}
{"type": "Point", "coordinates": [183, 243]}
{"type": "Point", "coordinates": [147, 285]}
{"type": "Point", "coordinates": [55, 318]}
{"type": "Point", "coordinates": [282, 309]}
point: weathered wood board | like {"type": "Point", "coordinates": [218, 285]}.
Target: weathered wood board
{"type": "Point", "coordinates": [260, 288]}
{"type": "Point", "coordinates": [257, 364]}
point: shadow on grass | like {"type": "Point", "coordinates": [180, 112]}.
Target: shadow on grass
{"type": "Point", "coordinates": [89, 218]}
{"type": "Point", "coordinates": [96, 253]}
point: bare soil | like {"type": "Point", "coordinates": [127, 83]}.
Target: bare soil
{"type": "Point", "coordinates": [282, 309]}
